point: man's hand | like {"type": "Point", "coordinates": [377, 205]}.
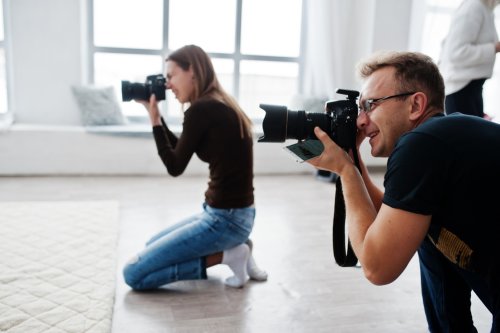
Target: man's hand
{"type": "Point", "coordinates": [333, 157]}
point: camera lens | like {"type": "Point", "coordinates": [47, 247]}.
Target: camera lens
{"type": "Point", "coordinates": [132, 91]}
{"type": "Point", "coordinates": [280, 124]}
{"type": "Point", "coordinates": [155, 84]}
{"type": "Point", "coordinates": [274, 123]}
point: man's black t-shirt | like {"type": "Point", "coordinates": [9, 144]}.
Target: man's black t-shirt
{"type": "Point", "coordinates": [449, 167]}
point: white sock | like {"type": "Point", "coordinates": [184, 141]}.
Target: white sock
{"type": "Point", "coordinates": [236, 258]}
{"type": "Point", "coordinates": [253, 270]}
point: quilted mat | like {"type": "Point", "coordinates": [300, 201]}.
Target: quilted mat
{"type": "Point", "coordinates": [57, 266]}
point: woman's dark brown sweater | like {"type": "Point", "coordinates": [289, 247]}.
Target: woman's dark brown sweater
{"type": "Point", "coordinates": [212, 131]}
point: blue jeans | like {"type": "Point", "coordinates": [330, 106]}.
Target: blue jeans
{"type": "Point", "coordinates": [178, 252]}
{"type": "Point", "coordinates": [446, 292]}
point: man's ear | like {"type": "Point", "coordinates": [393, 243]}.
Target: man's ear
{"type": "Point", "coordinates": [418, 105]}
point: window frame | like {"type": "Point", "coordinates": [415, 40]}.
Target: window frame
{"type": "Point", "coordinates": [237, 56]}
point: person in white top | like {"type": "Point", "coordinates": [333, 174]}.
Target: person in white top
{"type": "Point", "coordinates": [468, 55]}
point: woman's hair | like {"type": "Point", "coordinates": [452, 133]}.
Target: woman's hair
{"type": "Point", "coordinates": [414, 72]}
{"type": "Point", "coordinates": [207, 85]}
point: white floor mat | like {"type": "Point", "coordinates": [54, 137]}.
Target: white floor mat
{"type": "Point", "coordinates": [57, 266]}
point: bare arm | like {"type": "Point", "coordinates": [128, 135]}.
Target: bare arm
{"type": "Point", "coordinates": [383, 241]}
{"type": "Point", "coordinates": [390, 242]}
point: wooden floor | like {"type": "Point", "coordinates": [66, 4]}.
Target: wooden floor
{"type": "Point", "coordinates": [306, 290]}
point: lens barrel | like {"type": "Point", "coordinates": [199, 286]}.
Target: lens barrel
{"type": "Point", "coordinates": [155, 84]}
{"type": "Point", "coordinates": [280, 124]}
{"type": "Point", "coordinates": [275, 123]}
{"type": "Point", "coordinates": [132, 91]}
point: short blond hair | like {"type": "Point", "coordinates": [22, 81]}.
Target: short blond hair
{"type": "Point", "coordinates": [414, 72]}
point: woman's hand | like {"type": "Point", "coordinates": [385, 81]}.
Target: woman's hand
{"type": "Point", "coordinates": [333, 158]}
{"type": "Point", "coordinates": [152, 108]}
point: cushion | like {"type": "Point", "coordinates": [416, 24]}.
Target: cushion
{"type": "Point", "coordinates": [98, 106]}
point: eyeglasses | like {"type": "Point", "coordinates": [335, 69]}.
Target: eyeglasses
{"type": "Point", "coordinates": [367, 105]}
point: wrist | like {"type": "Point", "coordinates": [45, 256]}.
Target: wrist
{"type": "Point", "coordinates": [155, 120]}
{"type": "Point", "coordinates": [348, 170]}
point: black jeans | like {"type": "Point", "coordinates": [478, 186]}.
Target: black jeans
{"type": "Point", "coordinates": [446, 291]}
{"type": "Point", "coordinates": [468, 100]}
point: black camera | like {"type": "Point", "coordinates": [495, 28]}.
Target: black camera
{"type": "Point", "coordinates": [339, 121]}
{"type": "Point", "coordinates": [155, 84]}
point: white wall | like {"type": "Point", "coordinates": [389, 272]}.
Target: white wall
{"type": "Point", "coordinates": [46, 59]}
{"type": "Point", "coordinates": [49, 54]}
{"type": "Point", "coordinates": [391, 25]}
{"type": "Point", "coordinates": [71, 150]}
{"type": "Point", "coordinates": [348, 31]}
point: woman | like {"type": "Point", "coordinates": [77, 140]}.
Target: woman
{"type": "Point", "coordinates": [468, 56]}
{"type": "Point", "coordinates": [219, 132]}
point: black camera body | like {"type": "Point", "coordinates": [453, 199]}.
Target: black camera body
{"type": "Point", "coordinates": [339, 121]}
{"type": "Point", "coordinates": [155, 84]}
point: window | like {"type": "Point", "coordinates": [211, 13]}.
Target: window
{"type": "Point", "coordinates": [254, 45]}
{"type": "Point", "coordinates": [436, 26]}
{"type": "Point", "coordinates": [4, 105]}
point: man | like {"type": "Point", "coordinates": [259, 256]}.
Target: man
{"type": "Point", "coordinates": [441, 171]}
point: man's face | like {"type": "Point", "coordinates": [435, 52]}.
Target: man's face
{"type": "Point", "coordinates": [387, 119]}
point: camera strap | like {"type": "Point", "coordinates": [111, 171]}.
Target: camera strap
{"type": "Point", "coordinates": [344, 257]}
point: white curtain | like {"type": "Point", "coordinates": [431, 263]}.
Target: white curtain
{"type": "Point", "coordinates": [340, 33]}
{"type": "Point", "coordinates": [330, 51]}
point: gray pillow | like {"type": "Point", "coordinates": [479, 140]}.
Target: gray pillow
{"type": "Point", "coordinates": [98, 106]}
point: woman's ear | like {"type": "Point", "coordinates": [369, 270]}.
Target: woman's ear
{"type": "Point", "coordinates": [418, 105]}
